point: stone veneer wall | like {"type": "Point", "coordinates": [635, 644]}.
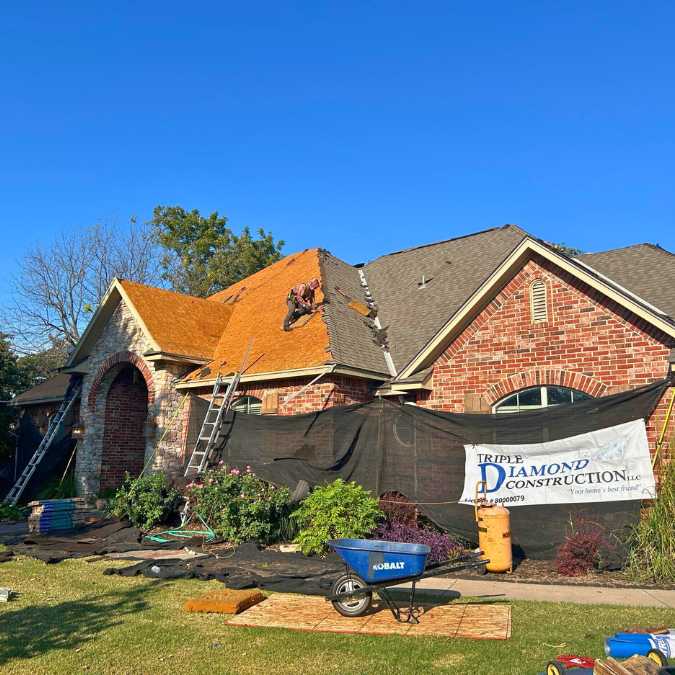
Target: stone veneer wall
{"type": "Point", "coordinates": [122, 342]}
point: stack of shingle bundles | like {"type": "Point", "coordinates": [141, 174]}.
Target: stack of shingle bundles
{"type": "Point", "coordinates": [56, 515]}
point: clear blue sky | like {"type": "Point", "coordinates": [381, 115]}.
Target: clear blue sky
{"type": "Point", "coordinates": [362, 127]}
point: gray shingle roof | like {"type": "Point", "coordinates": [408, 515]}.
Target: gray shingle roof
{"type": "Point", "coordinates": [53, 389]}
{"type": "Point", "coordinates": [453, 270]}
{"type": "Point", "coordinates": [351, 335]}
{"type": "Point", "coordinates": [644, 269]}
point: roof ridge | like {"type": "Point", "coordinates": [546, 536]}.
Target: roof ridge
{"type": "Point", "coordinates": [657, 247]}
{"type": "Point", "coordinates": [216, 297]}
{"type": "Point", "coordinates": [164, 290]}
{"type": "Point", "coordinates": [463, 236]}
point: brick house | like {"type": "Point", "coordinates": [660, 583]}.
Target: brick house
{"type": "Point", "coordinates": [493, 322]}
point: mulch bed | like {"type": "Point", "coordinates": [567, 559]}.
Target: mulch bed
{"type": "Point", "coordinates": [544, 572]}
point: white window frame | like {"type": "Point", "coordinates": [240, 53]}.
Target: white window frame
{"type": "Point", "coordinates": [500, 409]}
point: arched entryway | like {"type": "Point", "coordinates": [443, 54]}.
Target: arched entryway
{"type": "Point", "coordinates": [126, 412]}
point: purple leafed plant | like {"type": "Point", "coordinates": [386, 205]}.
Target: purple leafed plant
{"type": "Point", "coordinates": [443, 547]}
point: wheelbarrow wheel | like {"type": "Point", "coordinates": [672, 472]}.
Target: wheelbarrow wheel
{"type": "Point", "coordinates": [556, 668]}
{"type": "Point", "coordinates": [354, 606]}
{"type": "Point", "coordinates": [658, 657]}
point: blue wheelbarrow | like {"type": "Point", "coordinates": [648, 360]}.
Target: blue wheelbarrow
{"type": "Point", "coordinates": [373, 565]}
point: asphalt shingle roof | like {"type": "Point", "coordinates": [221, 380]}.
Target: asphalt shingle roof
{"type": "Point", "coordinates": [453, 270]}
{"type": "Point", "coordinates": [645, 269]}
{"type": "Point", "coordinates": [351, 334]}
{"type": "Point", "coordinates": [53, 389]}
{"type": "Point", "coordinates": [412, 312]}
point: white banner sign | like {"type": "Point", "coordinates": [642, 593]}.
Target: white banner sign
{"type": "Point", "coordinates": [608, 465]}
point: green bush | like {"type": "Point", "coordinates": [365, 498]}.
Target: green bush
{"type": "Point", "coordinates": [145, 501]}
{"type": "Point", "coordinates": [238, 506]}
{"type": "Point", "coordinates": [335, 511]}
{"type": "Point", "coordinates": [11, 512]}
{"type": "Point", "coordinates": [59, 489]}
{"type": "Point", "coordinates": [651, 554]}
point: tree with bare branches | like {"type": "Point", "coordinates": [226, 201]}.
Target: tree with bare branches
{"type": "Point", "coordinates": [59, 286]}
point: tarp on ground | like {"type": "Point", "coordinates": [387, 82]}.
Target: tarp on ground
{"type": "Point", "coordinates": [387, 447]}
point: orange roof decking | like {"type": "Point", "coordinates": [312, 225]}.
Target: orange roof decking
{"type": "Point", "coordinates": [179, 324]}
{"type": "Point", "coordinates": [258, 306]}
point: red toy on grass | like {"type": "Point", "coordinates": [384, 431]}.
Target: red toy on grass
{"type": "Point", "coordinates": [565, 661]}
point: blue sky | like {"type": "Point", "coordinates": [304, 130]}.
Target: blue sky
{"type": "Point", "coordinates": [362, 127]}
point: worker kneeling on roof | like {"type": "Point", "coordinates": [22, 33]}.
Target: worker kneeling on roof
{"type": "Point", "coordinates": [300, 301]}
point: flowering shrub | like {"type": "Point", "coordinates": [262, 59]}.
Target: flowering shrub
{"type": "Point", "coordinates": [443, 547]}
{"type": "Point", "coordinates": [145, 501]}
{"type": "Point", "coordinates": [583, 549]}
{"type": "Point", "coordinates": [237, 505]}
{"type": "Point", "coordinates": [334, 511]}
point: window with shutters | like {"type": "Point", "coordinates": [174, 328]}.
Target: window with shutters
{"type": "Point", "coordinates": [248, 404]}
{"type": "Point", "coordinates": [538, 301]}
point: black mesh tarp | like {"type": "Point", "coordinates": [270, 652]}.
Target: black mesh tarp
{"type": "Point", "coordinates": [51, 467]}
{"type": "Point", "coordinates": [387, 447]}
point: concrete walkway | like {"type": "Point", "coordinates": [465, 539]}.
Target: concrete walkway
{"type": "Point", "coordinates": [584, 595]}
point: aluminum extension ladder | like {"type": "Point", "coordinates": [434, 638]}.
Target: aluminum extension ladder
{"type": "Point", "coordinates": [208, 434]}
{"type": "Point", "coordinates": [53, 428]}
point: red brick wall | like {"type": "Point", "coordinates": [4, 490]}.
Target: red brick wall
{"type": "Point", "coordinates": [329, 391]}
{"type": "Point", "coordinates": [587, 343]}
{"type": "Point", "coordinates": [126, 412]}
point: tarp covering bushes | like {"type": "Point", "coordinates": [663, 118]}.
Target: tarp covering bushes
{"type": "Point", "coordinates": [387, 447]}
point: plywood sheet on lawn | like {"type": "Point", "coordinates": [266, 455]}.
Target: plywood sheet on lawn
{"type": "Point", "coordinates": [312, 613]}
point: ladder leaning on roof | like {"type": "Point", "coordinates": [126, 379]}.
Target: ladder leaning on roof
{"type": "Point", "coordinates": [210, 430]}
{"type": "Point", "coordinates": [55, 423]}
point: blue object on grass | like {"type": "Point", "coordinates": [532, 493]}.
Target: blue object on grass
{"type": "Point", "coordinates": [378, 561]}
{"type": "Point", "coordinates": [624, 645]}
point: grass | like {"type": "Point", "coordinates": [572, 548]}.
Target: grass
{"type": "Point", "coordinates": [69, 618]}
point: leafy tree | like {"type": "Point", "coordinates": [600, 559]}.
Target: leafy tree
{"type": "Point", "coordinates": [39, 366]}
{"type": "Point", "coordinates": [202, 255]}
{"type": "Point", "coordinates": [9, 386]}
{"type": "Point", "coordinates": [59, 285]}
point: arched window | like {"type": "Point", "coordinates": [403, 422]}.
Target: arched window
{"type": "Point", "coordinates": [248, 404]}
{"type": "Point", "coordinates": [534, 398]}
{"type": "Point", "coordinates": [538, 304]}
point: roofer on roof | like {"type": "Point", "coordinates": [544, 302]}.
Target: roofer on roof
{"type": "Point", "coordinates": [300, 301]}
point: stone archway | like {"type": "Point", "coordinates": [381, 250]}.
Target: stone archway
{"type": "Point", "coordinates": [124, 431]}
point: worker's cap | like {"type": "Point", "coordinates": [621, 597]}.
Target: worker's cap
{"type": "Point", "coordinates": [314, 283]}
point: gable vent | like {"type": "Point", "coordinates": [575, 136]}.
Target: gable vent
{"type": "Point", "coordinates": [538, 301]}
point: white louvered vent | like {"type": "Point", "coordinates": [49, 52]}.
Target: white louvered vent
{"type": "Point", "coordinates": [538, 301]}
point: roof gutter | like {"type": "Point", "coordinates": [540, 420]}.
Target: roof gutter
{"type": "Point", "coordinates": [331, 368]}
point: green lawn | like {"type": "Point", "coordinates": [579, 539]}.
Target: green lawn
{"type": "Point", "coordinates": [69, 618]}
